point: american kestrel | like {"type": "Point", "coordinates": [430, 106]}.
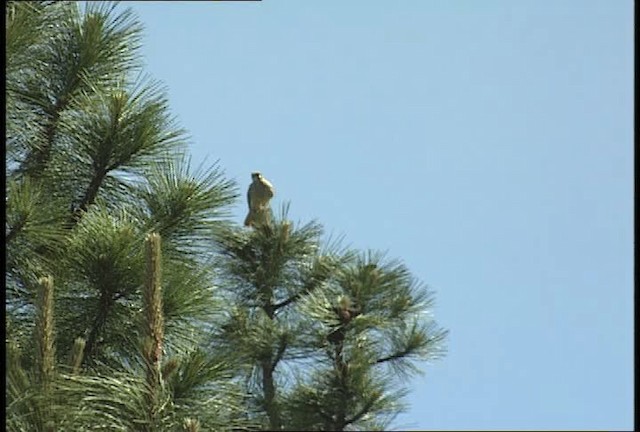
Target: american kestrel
{"type": "Point", "coordinates": [258, 196]}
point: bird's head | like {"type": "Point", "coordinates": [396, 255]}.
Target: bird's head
{"type": "Point", "coordinates": [256, 175]}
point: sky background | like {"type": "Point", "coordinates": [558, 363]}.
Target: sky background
{"type": "Point", "coordinates": [488, 144]}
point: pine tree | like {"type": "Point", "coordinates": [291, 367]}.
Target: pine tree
{"type": "Point", "coordinates": [324, 333]}
{"type": "Point", "coordinates": [95, 163]}
{"type": "Point", "coordinates": [134, 304]}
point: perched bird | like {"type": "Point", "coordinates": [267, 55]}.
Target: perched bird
{"type": "Point", "coordinates": [258, 196]}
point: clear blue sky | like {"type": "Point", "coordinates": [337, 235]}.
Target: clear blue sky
{"type": "Point", "coordinates": [488, 144]}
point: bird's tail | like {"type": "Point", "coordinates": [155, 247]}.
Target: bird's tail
{"type": "Point", "coordinates": [248, 221]}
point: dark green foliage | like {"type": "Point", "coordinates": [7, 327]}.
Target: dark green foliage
{"type": "Point", "coordinates": [133, 304]}
{"type": "Point", "coordinates": [323, 334]}
{"type": "Point", "coordinates": [95, 162]}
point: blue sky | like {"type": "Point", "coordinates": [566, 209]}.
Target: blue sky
{"type": "Point", "coordinates": [488, 144]}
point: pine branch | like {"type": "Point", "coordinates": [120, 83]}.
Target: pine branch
{"type": "Point", "coordinates": [89, 196]}
{"type": "Point", "coordinates": [269, 389]}
{"type": "Point", "coordinates": [288, 301]}
{"type": "Point", "coordinates": [154, 328]}
{"type": "Point", "coordinates": [154, 323]}
{"type": "Point", "coordinates": [37, 160]}
{"type": "Point", "coordinates": [14, 230]}
{"type": "Point", "coordinates": [282, 347]}
{"type": "Point", "coordinates": [44, 330]}
{"type": "Point", "coordinates": [268, 367]}
{"type": "Point", "coordinates": [395, 356]}
{"type": "Point", "coordinates": [323, 267]}
{"type": "Point", "coordinates": [104, 308]}
{"type": "Point", "coordinates": [45, 356]}
{"type": "Point", "coordinates": [365, 409]}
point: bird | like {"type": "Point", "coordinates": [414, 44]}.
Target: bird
{"type": "Point", "coordinates": [258, 196]}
